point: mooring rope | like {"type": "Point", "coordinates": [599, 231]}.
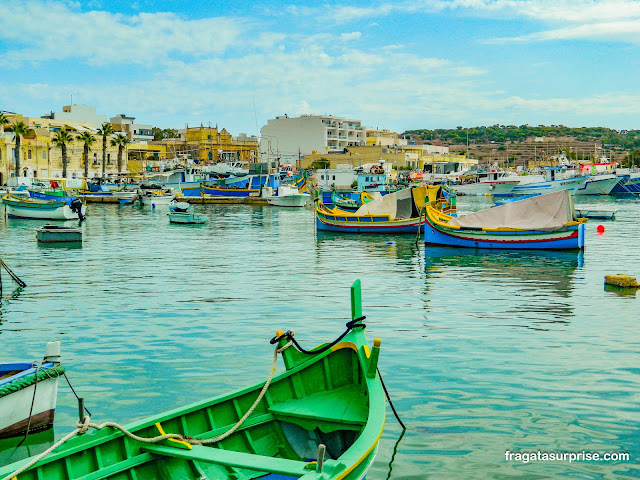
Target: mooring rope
{"type": "Point", "coordinates": [84, 426]}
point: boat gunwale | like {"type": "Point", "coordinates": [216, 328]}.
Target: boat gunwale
{"type": "Point", "coordinates": [372, 428]}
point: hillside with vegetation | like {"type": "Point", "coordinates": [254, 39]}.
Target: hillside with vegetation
{"type": "Point", "coordinates": [624, 139]}
{"type": "Point", "coordinates": [511, 145]}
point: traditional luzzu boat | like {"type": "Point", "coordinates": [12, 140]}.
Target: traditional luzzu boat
{"type": "Point", "coordinates": [37, 208]}
{"type": "Point", "coordinates": [24, 383]}
{"type": "Point", "coordinates": [321, 419]}
{"type": "Point", "coordinates": [397, 212]}
{"type": "Point", "coordinates": [545, 222]}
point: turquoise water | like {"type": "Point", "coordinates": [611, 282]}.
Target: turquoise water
{"type": "Point", "coordinates": [481, 353]}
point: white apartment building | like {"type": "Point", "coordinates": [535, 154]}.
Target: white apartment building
{"type": "Point", "coordinates": [288, 137]}
{"type": "Point", "coordinates": [137, 133]}
{"type": "Point", "coordinates": [78, 113]}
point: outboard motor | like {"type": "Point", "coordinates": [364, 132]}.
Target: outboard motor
{"type": "Point", "coordinates": [76, 207]}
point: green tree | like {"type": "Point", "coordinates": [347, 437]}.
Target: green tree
{"type": "Point", "coordinates": [61, 139]}
{"type": "Point", "coordinates": [105, 131]}
{"type": "Point", "coordinates": [120, 141]}
{"type": "Point", "coordinates": [3, 121]}
{"type": "Point", "coordinates": [88, 140]}
{"type": "Point", "coordinates": [20, 129]}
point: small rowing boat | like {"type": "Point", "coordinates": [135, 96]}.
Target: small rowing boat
{"type": "Point", "coordinates": [320, 419]}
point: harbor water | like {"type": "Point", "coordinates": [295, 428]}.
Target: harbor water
{"type": "Point", "coordinates": [482, 352]}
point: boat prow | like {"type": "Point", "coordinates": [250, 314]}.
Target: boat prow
{"type": "Point", "coordinates": [320, 419]}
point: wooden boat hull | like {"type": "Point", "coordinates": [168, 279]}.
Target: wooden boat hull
{"type": "Point", "coordinates": [39, 209]}
{"type": "Point", "coordinates": [436, 234]}
{"type": "Point", "coordinates": [500, 187]}
{"type": "Point", "coordinates": [299, 200]}
{"type": "Point", "coordinates": [187, 218]}
{"type": "Point", "coordinates": [18, 387]}
{"type": "Point", "coordinates": [347, 222]}
{"type": "Point", "coordinates": [153, 201]}
{"type": "Point", "coordinates": [334, 397]}
{"type": "Point", "coordinates": [53, 234]}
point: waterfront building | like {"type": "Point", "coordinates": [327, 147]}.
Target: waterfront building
{"type": "Point", "coordinates": [136, 132]}
{"type": "Point", "coordinates": [384, 138]}
{"type": "Point", "coordinates": [412, 157]}
{"type": "Point", "coordinates": [78, 114]}
{"type": "Point", "coordinates": [210, 145]}
{"type": "Point", "coordinates": [292, 137]}
{"type": "Point", "coordinates": [41, 158]}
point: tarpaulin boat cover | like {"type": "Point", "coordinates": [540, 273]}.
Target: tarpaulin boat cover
{"type": "Point", "coordinates": [399, 205]}
{"type": "Point", "coordinates": [545, 212]}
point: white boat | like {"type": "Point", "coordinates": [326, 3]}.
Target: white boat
{"type": "Point", "coordinates": [601, 184]}
{"type": "Point", "coordinates": [187, 218]}
{"type": "Point", "coordinates": [154, 198]}
{"type": "Point", "coordinates": [55, 234]}
{"type": "Point", "coordinates": [288, 197]}
{"type": "Point", "coordinates": [24, 383]}
{"type": "Point", "coordinates": [228, 167]}
{"type": "Point", "coordinates": [485, 183]}
{"type": "Point", "coordinates": [554, 180]}
{"type": "Point", "coordinates": [36, 208]}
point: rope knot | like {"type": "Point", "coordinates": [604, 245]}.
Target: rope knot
{"type": "Point", "coordinates": [83, 426]}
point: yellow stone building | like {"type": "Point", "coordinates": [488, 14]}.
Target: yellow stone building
{"type": "Point", "coordinates": [210, 145]}
{"type": "Point", "coordinates": [41, 158]}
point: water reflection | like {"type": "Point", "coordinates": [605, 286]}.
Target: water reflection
{"type": "Point", "coordinates": [401, 247]}
{"type": "Point", "coordinates": [519, 285]}
{"type": "Point", "coordinates": [14, 449]}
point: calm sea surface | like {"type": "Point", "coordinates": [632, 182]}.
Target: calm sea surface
{"type": "Point", "coordinates": [482, 353]}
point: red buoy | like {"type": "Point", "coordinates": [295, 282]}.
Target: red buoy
{"type": "Point", "coordinates": [600, 229]}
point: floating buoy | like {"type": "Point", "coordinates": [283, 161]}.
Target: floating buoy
{"type": "Point", "coordinates": [600, 229]}
{"type": "Point", "coordinates": [390, 243]}
{"type": "Point", "coordinates": [621, 280]}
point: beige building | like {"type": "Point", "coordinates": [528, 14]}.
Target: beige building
{"type": "Point", "coordinates": [41, 158]}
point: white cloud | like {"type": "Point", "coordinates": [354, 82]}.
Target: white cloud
{"type": "Point", "coordinates": [57, 31]}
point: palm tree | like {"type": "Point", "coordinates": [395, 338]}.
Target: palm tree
{"type": "Point", "coordinates": [61, 139]}
{"type": "Point", "coordinates": [3, 121]}
{"type": "Point", "coordinates": [120, 141]}
{"type": "Point", "coordinates": [20, 129]}
{"type": "Point", "coordinates": [105, 131]}
{"type": "Point", "coordinates": [88, 140]}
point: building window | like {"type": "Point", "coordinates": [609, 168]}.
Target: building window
{"type": "Point", "coordinates": [95, 159]}
{"type": "Point", "coordinates": [334, 177]}
{"type": "Point", "coordinates": [29, 154]}
{"type": "Point", "coordinates": [44, 155]}
{"type": "Point", "coordinates": [108, 159]}
{"type": "Point", "coordinates": [321, 177]}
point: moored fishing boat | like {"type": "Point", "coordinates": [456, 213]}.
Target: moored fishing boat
{"type": "Point", "coordinates": [25, 383]}
{"type": "Point", "coordinates": [288, 197]}
{"type": "Point", "coordinates": [540, 222]}
{"type": "Point", "coordinates": [397, 212]}
{"type": "Point", "coordinates": [36, 208]}
{"type": "Point", "coordinates": [155, 198]}
{"type": "Point", "coordinates": [328, 406]}
{"type": "Point", "coordinates": [55, 234]}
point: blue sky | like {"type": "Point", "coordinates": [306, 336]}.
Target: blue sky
{"type": "Point", "coordinates": [392, 64]}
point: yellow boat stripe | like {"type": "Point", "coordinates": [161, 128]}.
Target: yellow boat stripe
{"type": "Point", "coordinates": [364, 455]}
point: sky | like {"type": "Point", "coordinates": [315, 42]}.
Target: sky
{"type": "Point", "coordinates": [398, 65]}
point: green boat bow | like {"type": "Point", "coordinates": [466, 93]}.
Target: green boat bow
{"type": "Point", "coordinates": [320, 419]}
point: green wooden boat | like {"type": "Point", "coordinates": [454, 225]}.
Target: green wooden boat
{"type": "Point", "coordinates": [331, 396]}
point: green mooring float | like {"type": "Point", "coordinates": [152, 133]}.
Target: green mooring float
{"type": "Point", "coordinates": [321, 418]}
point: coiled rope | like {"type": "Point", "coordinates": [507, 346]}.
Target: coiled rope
{"type": "Point", "coordinates": [86, 424]}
